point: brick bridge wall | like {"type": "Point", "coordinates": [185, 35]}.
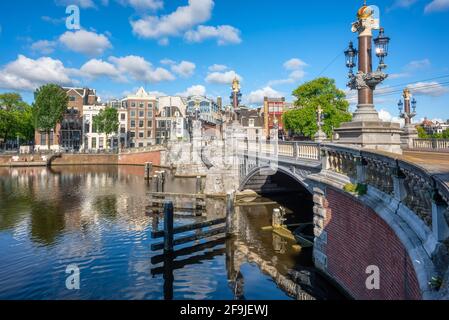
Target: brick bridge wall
{"type": "Point", "coordinates": [356, 238]}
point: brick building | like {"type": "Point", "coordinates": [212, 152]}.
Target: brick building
{"type": "Point", "coordinates": [68, 135]}
{"type": "Point", "coordinates": [273, 109]}
{"type": "Point", "coordinates": [141, 111]}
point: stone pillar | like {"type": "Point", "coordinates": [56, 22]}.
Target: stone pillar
{"type": "Point", "coordinates": [440, 227]}
{"type": "Point", "coordinates": [319, 221]}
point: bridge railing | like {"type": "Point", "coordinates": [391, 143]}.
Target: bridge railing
{"type": "Point", "coordinates": [440, 145]}
{"type": "Point", "coordinates": [412, 185]}
{"type": "Point", "coordinates": [301, 150]}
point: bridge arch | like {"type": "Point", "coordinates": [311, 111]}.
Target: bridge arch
{"type": "Point", "coordinates": [259, 176]}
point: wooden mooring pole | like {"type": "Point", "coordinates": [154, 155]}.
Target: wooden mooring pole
{"type": "Point", "coordinates": [230, 213]}
{"type": "Point", "coordinates": [148, 169]}
{"type": "Point", "coordinates": [168, 227]}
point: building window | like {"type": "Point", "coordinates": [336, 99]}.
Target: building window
{"type": "Point", "coordinates": [101, 143]}
{"type": "Point", "coordinates": [141, 145]}
{"type": "Point", "coordinates": [149, 123]}
{"type": "Point", "coordinates": [133, 104]}
{"type": "Point", "coordinates": [149, 134]}
{"type": "Point", "coordinates": [122, 130]}
{"type": "Point", "coordinates": [141, 105]}
{"type": "Point", "coordinates": [123, 116]}
{"type": "Point", "coordinates": [141, 114]}
{"type": "Point", "coordinates": [72, 98]}
{"type": "Point", "coordinates": [132, 134]}
{"type": "Point", "coordinates": [132, 114]}
{"type": "Point", "coordinates": [150, 114]}
{"type": "Point", "coordinates": [141, 123]}
{"type": "Point", "coordinates": [133, 123]}
{"type": "Point", "coordinates": [94, 143]}
{"type": "Point", "coordinates": [251, 123]}
{"type": "Point", "coordinates": [43, 139]}
{"type": "Point", "coordinates": [141, 134]}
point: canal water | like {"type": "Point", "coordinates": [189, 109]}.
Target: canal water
{"type": "Point", "coordinates": [96, 217]}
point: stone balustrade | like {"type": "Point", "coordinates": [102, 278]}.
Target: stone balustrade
{"type": "Point", "coordinates": [292, 150]}
{"type": "Point", "coordinates": [417, 189]}
{"type": "Point", "coordinates": [440, 145]}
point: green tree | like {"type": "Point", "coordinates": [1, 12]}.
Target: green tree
{"type": "Point", "coordinates": [319, 92]}
{"type": "Point", "coordinates": [16, 118]}
{"type": "Point", "coordinates": [107, 121]}
{"type": "Point", "coordinates": [50, 103]}
{"type": "Point", "coordinates": [422, 133]}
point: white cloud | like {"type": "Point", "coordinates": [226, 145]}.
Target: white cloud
{"type": "Point", "coordinates": [85, 42]}
{"type": "Point", "coordinates": [143, 4]}
{"type": "Point", "coordinates": [140, 69]}
{"type": "Point", "coordinates": [184, 69]}
{"type": "Point", "coordinates": [437, 5]}
{"type": "Point", "coordinates": [28, 74]}
{"type": "Point", "coordinates": [257, 96]}
{"type": "Point", "coordinates": [223, 77]}
{"type": "Point", "coordinates": [98, 68]}
{"type": "Point", "coordinates": [386, 116]}
{"type": "Point", "coordinates": [418, 65]}
{"type": "Point", "coordinates": [432, 88]}
{"type": "Point", "coordinates": [218, 68]}
{"type": "Point", "coordinates": [294, 64]}
{"type": "Point", "coordinates": [223, 34]}
{"type": "Point", "coordinates": [168, 62]}
{"type": "Point", "coordinates": [402, 4]}
{"type": "Point", "coordinates": [197, 90]}
{"type": "Point", "coordinates": [175, 23]}
{"type": "Point", "coordinates": [54, 21]}
{"type": "Point", "coordinates": [85, 4]}
{"type": "Point", "coordinates": [44, 46]}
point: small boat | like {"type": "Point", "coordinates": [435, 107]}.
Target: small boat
{"type": "Point", "coordinates": [246, 196]}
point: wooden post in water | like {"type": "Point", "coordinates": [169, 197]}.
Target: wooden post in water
{"type": "Point", "coordinates": [168, 227]}
{"type": "Point", "coordinates": [161, 181]}
{"type": "Point", "coordinates": [155, 183]}
{"type": "Point", "coordinates": [148, 169]}
{"type": "Point", "coordinates": [230, 213]}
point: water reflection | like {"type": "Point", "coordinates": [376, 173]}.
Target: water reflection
{"type": "Point", "coordinates": [95, 217]}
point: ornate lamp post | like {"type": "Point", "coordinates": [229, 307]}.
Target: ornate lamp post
{"type": "Point", "coordinates": [366, 80]}
{"type": "Point", "coordinates": [404, 108]}
{"type": "Point", "coordinates": [366, 129]}
{"type": "Point", "coordinates": [405, 112]}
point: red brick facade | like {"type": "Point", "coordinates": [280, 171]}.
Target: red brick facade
{"type": "Point", "coordinates": [357, 238]}
{"type": "Point", "coordinates": [140, 158]}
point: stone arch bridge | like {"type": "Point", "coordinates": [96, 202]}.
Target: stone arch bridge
{"type": "Point", "coordinates": [397, 221]}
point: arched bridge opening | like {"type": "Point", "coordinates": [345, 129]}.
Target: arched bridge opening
{"type": "Point", "coordinates": [288, 190]}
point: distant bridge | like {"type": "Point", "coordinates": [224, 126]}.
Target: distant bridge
{"type": "Point", "coordinates": [397, 220]}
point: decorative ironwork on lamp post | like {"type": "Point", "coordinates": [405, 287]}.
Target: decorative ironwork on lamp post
{"type": "Point", "coordinates": [405, 112]}
{"type": "Point", "coordinates": [366, 80]}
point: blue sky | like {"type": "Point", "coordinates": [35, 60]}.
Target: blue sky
{"type": "Point", "coordinates": [197, 46]}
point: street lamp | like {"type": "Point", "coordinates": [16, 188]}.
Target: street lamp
{"type": "Point", "coordinates": [381, 43]}
{"type": "Point", "coordinates": [404, 108]}
{"type": "Point", "coordinates": [351, 57]}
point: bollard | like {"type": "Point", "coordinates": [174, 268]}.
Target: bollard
{"type": "Point", "coordinates": [199, 185]}
{"type": "Point", "coordinates": [230, 212]}
{"type": "Point", "coordinates": [168, 227]}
